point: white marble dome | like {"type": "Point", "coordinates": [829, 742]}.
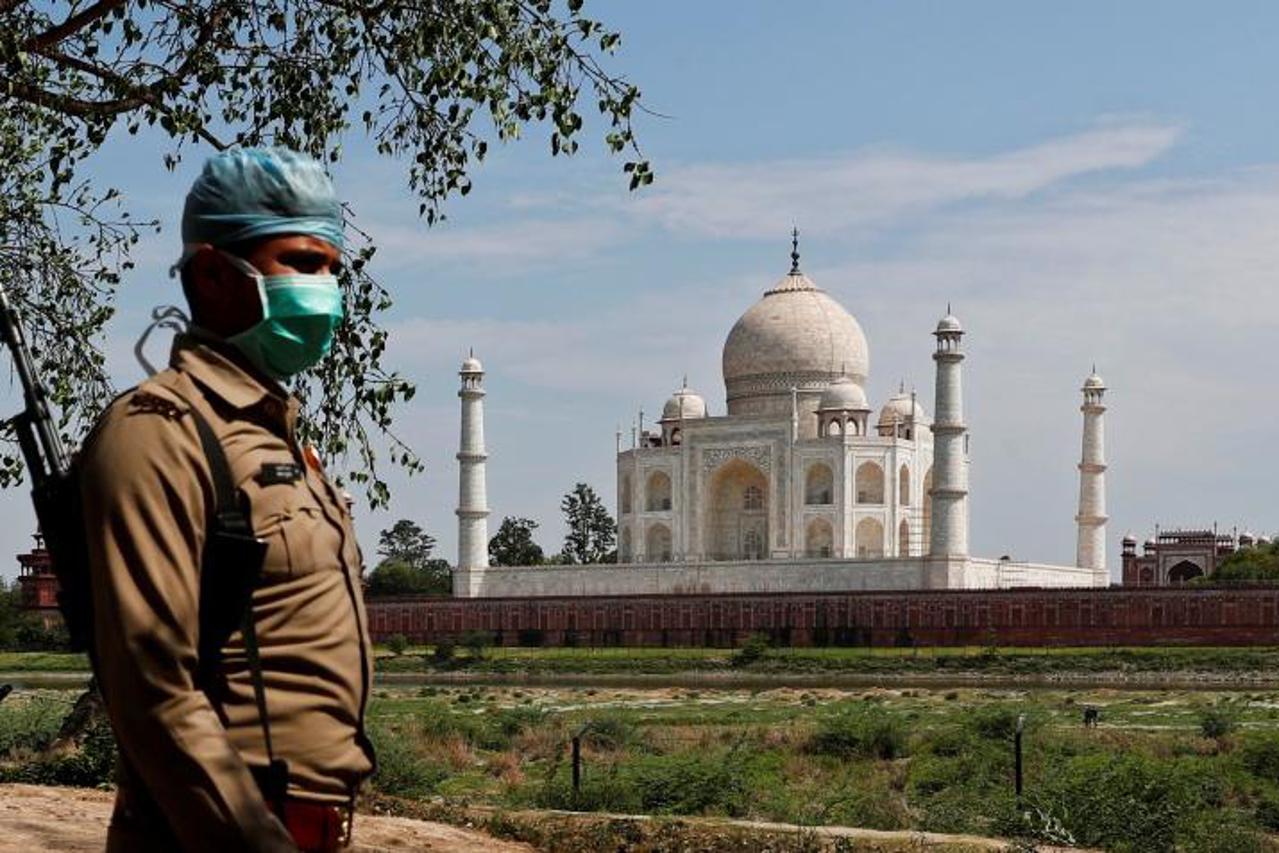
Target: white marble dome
{"type": "Point", "coordinates": [796, 336]}
{"type": "Point", "coordinates": [684, 404]}
{"type": "Point", "coordinates": [844, 395]}
{"type": "Point", "coordinates": [901, 409]}
{"type": "Point", "coordinates": [949, 325]}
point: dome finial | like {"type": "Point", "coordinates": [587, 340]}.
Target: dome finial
{"type": "Point", "coordinates": [794, 251]}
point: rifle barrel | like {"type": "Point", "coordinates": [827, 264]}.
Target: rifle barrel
{"type": "Point", "coordinates": [37, 399]}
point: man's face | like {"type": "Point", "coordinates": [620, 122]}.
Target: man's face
{"type": "Point", "coordinates": [225, 301]}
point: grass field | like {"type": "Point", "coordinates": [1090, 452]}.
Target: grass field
{"type": "Point", "coordinates": [1193, 771]}
{"type": "Point", "coordinates": [1165, 770]}
{"type": "Point", "coordinates": [1222, 661]}
{"type": "Point", "coordinates": [1253, 661]}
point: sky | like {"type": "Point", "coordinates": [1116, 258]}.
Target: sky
{"type": "Point", "coordinates": [1084, 183]}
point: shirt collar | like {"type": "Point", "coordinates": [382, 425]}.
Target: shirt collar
{"type": "Point", "coordinates": [213, 364]}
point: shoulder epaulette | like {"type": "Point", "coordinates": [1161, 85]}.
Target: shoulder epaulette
{"type": "Point", "coordinates": [153, 397]}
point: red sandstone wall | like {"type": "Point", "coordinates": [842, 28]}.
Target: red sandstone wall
{"type": "Point", "coordinates": [1023, 617]}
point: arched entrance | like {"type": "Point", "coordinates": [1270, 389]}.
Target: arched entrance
{"type": "Point", "coordinates": [903, 539]}
{"type": "Point", "coordinates": [870, 483]}
{"type": "Point", "coordinates": [737, 513]}
{"type": "Point", "coordinates": [819, 487]}
{"type": "Point", "coordinates": [1183, 572]}
{"type": "Point", "coordinates": [657, 546]}
{"type": "Point", "coordinates": [819, 538]}
{"type": "Point", "coordinates": [657, 496]}
{"type": "Point", "coordinates": [870, 539]}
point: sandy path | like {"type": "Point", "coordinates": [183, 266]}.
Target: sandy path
{"type": "Point", "coordinates": [75, 819]}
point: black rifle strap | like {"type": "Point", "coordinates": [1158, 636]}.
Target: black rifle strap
{"type": "Point", "coordinates": [229, 518]}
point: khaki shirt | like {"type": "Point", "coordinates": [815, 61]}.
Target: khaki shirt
{"type": "Point", "coordinates": [147, 497]}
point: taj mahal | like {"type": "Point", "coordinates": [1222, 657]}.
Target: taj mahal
{"type": "Point", "coordinates": [802, 486]}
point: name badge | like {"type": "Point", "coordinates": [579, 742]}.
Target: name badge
{"type": "Point", "coordinates": [274, 473]}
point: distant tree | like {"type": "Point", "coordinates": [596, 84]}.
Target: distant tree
{"type": "Point", "coordinates": [592, 533]}
{"type": "Point", "coordinates": [514, 546]}
{"type": "Point", "coordinates": [1258, 563]}
{"type": "Point", "coordinates": [406, 542]}
{"type": "Point", "coordinates": [407, 566]}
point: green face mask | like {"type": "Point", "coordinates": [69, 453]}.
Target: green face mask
{"type": "Point", "coordinates": [299, 315]}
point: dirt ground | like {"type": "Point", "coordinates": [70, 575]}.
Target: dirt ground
{"type": "Point", "coordinates": [75, 819]}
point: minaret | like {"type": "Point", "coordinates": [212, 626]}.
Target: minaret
{"type": "Point", "coordinates": [1091, 551]}
{"type": "Point", "coordinates": [950, 446]}
{"type": "Point", "coordinates": [472, 508]}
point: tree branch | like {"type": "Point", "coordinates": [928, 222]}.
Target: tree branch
{"type": "Point", "coordinates": [53, 35]}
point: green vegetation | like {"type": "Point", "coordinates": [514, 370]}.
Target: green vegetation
{"type": "Point", "coordinates": [21, 630]}
{"type": "Point", "coordinates": [758, 657]}
{"type": "Point", "coordinates": [1258, 563]}
{"type": "Point", "coordinates": [407, 567]}
{"type": "Point", "coordinates": [428, 85]}
{"type": "Point", "coordinates": [29, 725]}
{"type": "Point", "coordinates": [513, 544]}
{"type": "Point", "coordinates": [592, 532]}
{"type": "Point", "coordinates": [1146, 780]}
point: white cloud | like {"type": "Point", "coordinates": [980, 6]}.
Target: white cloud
{"type": "Point", "coordinates": [504, 246]}
{"type": "Point", "coordinates": [832, 194]}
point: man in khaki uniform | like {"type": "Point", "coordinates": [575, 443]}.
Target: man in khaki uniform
{"type": "Point", "coordinates": [263, 233]}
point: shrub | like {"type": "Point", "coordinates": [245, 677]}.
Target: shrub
{"type": "Point", "coordinates": [1125, 801]}
{"type": "Point", "coordinates": [476, 642]}
{"type": "Point", "coordinates": [754, 649]}
{"type": "Point", "coordinates": [30, 724]}
{"type": "Point", "coordinates": [444, 651]}
{"type": "Point", "coordinates": [400, 770]}
{"type": "Point", "coordinates": [397, 644]}
{"type": "Point", "coordinates": [1218, 831]}
{"type": "Point", "coordinates": [1217, 722]}
{"type": "Point", "coordinates": [993, 722]}
{"type": "Point", "coordinates": [860, 732]}
{"type": "Point", "coordinates": [1267, 812]}
{"type": "Point", "coordinates": [610, 733]}
{"type": "Point", "coordinates": [691, 783]}
{"type": "Point", "coordinates": [1261, 757]}
{"type": "Point", "coordinates": [502, 726]}
{"type": "Point", "coordinates": [91, 765]}
{"type": "Point", "coordinates": [687, 783]}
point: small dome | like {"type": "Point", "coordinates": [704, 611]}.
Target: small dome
{"type": "Point", "coordinates": [472, 365]}
{"type": "Point", "coordinates": [1129, 539]}
{"type": "Point", "coordinates": [901, 408]}
{"type": "Point", "coordinates": [1246, 539]}
{"type": "Point", "coordinates": [1094, 383]}
{"type": "Point", "coordinates": [844, 395]}
{"type": "Point", "coordinates": [949, 325]}
{"type": "Point", "coordinates": [1150, 545]}
{"type": "Point", "coordinates": [684, 404]}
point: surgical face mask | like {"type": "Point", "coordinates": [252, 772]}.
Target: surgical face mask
{"type": "Point", "coordinates": [299, 316]}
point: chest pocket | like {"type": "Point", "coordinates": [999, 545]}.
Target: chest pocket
{"type": "Point", "coordinates": [300, 539]}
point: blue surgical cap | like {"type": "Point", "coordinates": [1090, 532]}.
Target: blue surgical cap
{"type": "Point", "coordinates": [250, 193]}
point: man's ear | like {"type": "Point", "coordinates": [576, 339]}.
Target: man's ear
{"type": "Point", "coordinates": [203, 280]}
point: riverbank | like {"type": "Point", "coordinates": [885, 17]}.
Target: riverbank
{"type": "Point", "coordinates": [1137, 668]}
